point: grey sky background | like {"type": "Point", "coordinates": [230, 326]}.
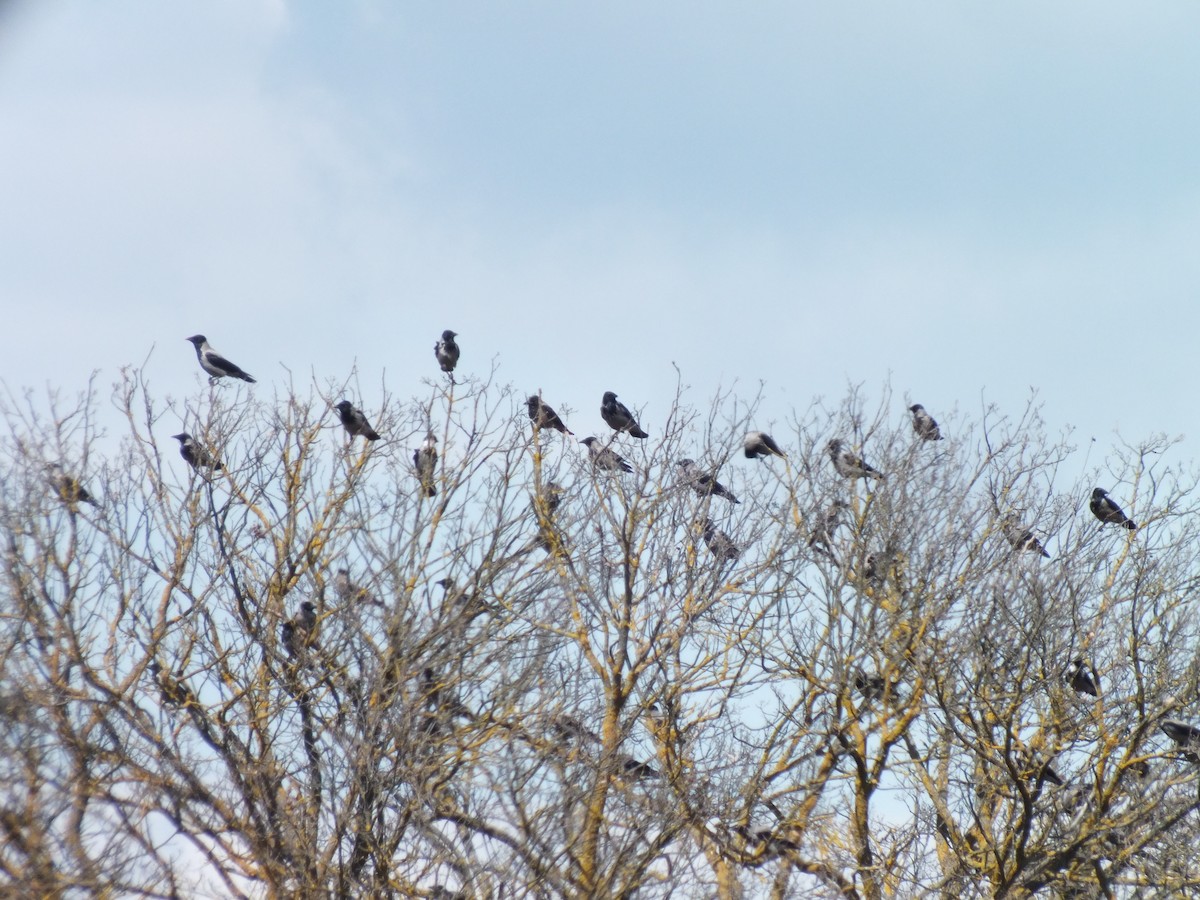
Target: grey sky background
{"type": "Point", "coordinates": [967, 199]}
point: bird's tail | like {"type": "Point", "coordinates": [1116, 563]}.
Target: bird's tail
{"type": "Point", "coordinates": [637, 432]}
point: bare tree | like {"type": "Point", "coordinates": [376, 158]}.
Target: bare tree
{"type": "Point", "coordinates": [302, 673]}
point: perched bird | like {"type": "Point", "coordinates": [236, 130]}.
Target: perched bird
{"type": "Point", "coordinates": [635, 768]}
{"type": "Point", "coordinates": [569, 730]}
{"type": "Point", "coordinates": [604, 458]}
{"type": "Point", "coordinates": [828, 522]}
{"type": "Point", "coordinates": [1106, 510]}
{"type": "Point", "coordinates": [1021, 537]}
{"type": "Point", "coordinates": [871, 687]}
{"type": "Point", "coordinates": [1185, 736]}
{"type": "Point", "coordinates": [349, 592]}
{"type": "Point", "coordinates": [173, 693]}
{"type": "Point", "coordinates": [68, 488]}
{"type": "Point", "coordinates": [194, 454]}
{"type": "Point", "coordinates": [544, 416]}
{"type": "Point", "coordinates": [425, 461]}
{"type": "Point", "coordinates": [849, 464]}
{"type": "Point", "coordinates": [355, 422]}
{"type": "Point", "coordinates": [618, 416]}
{"type": "Point", "coordinates": [758, 444]}
{"type": "Point", "coordinates": [719, 543]}
{"type": "Point", "coordinates": [305, 622]}
{"type": "Point", "coordinates": [1081, 678]}
{"type": "Point", "coordinates": [446, 351]}
{"type": "Point", "coordinates": [214, 363]}
{"type": "Point", "coordinates": [705, 483]}
{"type": "Point", "coordinates": [924, 424]}
{"type": "Point", "coordinates": [287, 637]}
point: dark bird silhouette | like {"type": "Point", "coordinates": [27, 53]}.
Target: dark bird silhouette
{"type": "Point", "coordinates": [618, 416]}
{"type": "Point", "coordinates": [758, 444]}
{"type": "Point", "coordinates": [68, 488]}
{"type": "Point", "coordinates": [544, 416]}
{"type": "Point", "coordinates": [849, 464]}
{"type": "Point", "coordinates": [425, 461]}
{"type": "Point", "coordinates": [604, 458]}
{"type": "Point", "coordinates": [305, 622]}
{"type": "Point", "coordinates": [446, 351]}
{"type": "Point", "coordinates": [705, 483]}
{"type": "Point", "coordinates": [172, 692]}
{"type": "Point", "coordinates": [924, 424]}
{"type": "Point", "coordinates": [1021, 537]}
{"type": "Point", "coordinates": [1081, 678]}
{"type": "Point", "coordinates": [636, 768]}
{"type": "Point", "coordinates": [287, 637]}
{"type": "Point", "coordinates": [871, 687]}
{"type": "Point", "coordinates": [194, 454]}
{"type": "Point", "coordinates": [214, 363]}
{"type": "Point", "coordinates": [1106, 510]}
{"type": "Point", "coordinates": [719, 543]}
{"type": "Point", "coordinates": [355, 422]}
{"type": "Point", "coordinates": [1185, 736]}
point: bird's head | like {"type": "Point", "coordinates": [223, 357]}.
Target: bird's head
{"type": "Point", "coordinates": [685, 463]}
{"type": "Point", "coordinates": [916, 408]}
{"type": "Point", "coordinates": [609, 395]}
{"type": "Point", "coordinates": [588, 441]}
{"type": "Point", "coordinates": [345, 406]}
{"type": "Point", "coordinates": [197, 339]}
{"type": "Point", "coordinates": [449, 335]}
{"type": "Point", "coordinates": [834, 446]}
{"type": "Point", "coordinates": [183, 437]}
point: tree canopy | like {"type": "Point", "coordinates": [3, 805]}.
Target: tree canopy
{"type": "Point", "coordinates": [294, 661]}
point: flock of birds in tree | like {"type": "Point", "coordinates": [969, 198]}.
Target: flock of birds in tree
{"type": "Point", "coordinates": [301, 629]}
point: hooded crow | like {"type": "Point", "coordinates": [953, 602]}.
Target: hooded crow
{"type": "Point", "coordinates": [704, 483]}
{"type": "Point", "coordinates": [194, 454]}
{"type": "Point", "coordinates": [604, 458]}
{"type": "Point", "coordinates": [924, 424]}
{"type": "Point", "coordinates": [849, 464]}
{"type": "Point", "coordinates": [446, 351]}
{"type": "Point", "coordinates": [1106, 510]}
{"type": "Point", "coordinates": [544, 416]}
{"type": "Point", "coordinates": [758, 444]}
{"type": "Point", "coordinates": [618, 416]}
{"type": "Point", "coordinates": [425, 461]}
{"type": "Point", "coordinates": [214, 363]}
{"type": "Point", "coordinates": [355, 422]}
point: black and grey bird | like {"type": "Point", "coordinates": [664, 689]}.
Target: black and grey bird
{"type": "Point", "coordinates": [1185, 736]}
{"type": "Point", "coordinates": [1020, 537]}
{"type": "Point", "coordinates": [924, 424]}
{"type": "Point", "coordinates": [355, 421]}
{"type": "Point", "coordinates": [544, 416]}
{"type": "Point", "coordinates": [173, 692]}
{"type": "Point", "coordinates": [288, 639]}
{"type": "Point", "coordinates": [68, 488]}
{"type": "Point", "coordinates": [194, 454]}
{"type": "Point", "coordinates": [850, 465]}
{"type": "Point", "coordinates": [704, 483]}
{"type": "Point", "coordinates": [872, 687]}
{"type": "Point", "coordinates": [1106, 510]}
{"type": "Point", "coordinates": [214, 363]}
{"type": "Point", "coordinates": [604, 458]}
{"type": "Point", "coordinates": [446, 351]}
{"type": "Point", "coordinates": [719, 543]}
{"type": "Point", "coordinates": [349, 592]}
{"type": "Point", "coordinates": [305, 623]}
{"type": "Point", "coordinates": [1082, 679]}
{"type": "Point", "coordinates": [758, 444]}
{"type": "Point", "coordinates": [425, 461]}
{"type": "Point", "coordinates": [618, 416]}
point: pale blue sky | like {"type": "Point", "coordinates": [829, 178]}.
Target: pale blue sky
{"type": "Point", "coordinates": [972, 198]}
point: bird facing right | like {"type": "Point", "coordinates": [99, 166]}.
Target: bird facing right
{"type": "Point", "coordinates": [1108, 512]}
